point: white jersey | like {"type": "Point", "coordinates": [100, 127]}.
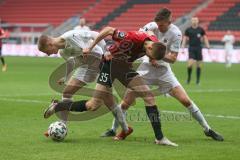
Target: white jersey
{"type": "Point", "coordinates": [171, 38]}
{"type": "Point", "coordinates": [228, 40]}
{"type": "Point", "coordinates": [76, 40]}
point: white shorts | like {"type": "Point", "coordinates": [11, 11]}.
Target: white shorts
{"type": "Point", "coordinates": [163, 77]}
{"type": "Point", "coordinates": [89, 71]}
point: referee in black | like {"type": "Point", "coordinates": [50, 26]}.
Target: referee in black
{"type": "Point", "coordinates": [195, 34]}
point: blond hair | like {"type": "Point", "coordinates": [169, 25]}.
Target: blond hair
{"type": "Point", "coordinates": [42, 42]}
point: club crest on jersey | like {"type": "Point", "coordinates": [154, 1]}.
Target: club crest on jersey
{"type": "Point", "coordinates": [165, 40]}
{"type": "Point", "coordinates": [121, 35]}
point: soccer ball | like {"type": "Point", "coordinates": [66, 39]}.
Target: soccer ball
{"type": "Point", "coordinates": [57, 131]}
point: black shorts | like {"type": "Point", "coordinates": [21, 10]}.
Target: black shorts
{"type": "Point", "coordinates": [0, 51]}
{"type": "Point", "coordinates": [116, 69]}
{"type": "Point", "coordinates": [195, 53]}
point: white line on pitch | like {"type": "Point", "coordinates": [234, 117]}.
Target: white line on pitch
{"type": "Point", "coordinates": [164, 111]}
{"type": "Point", "coordinates": [190, 91]}
{"type": "Point", "coordinates": [22, 100]}
{"type": "Point", "coordinates": [33, 94]}
{"type": "Point", "coordinates": [213, 90]}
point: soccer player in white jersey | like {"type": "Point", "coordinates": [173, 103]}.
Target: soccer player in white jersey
{"type": "Point", "coordinates": [69, 46]}
{"type": "Point", "coordinates": [228, 40]}
{"type": "Point", "coordinates": [160, 73]}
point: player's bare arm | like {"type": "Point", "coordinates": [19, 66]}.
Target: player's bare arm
{"type": "Point", "coordinates": [104, 33]}
{"type": "Point", "coordinates": [184, 41]}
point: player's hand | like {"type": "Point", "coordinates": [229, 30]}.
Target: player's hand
{"type": "Point", "coordinates": [86, 51]}
{"type": "Point", "coordinates": [61, 81]}
{"type": "Point", "coordinates": [108, 56]}
{"type": "Point", "coordinates": [154, 63]}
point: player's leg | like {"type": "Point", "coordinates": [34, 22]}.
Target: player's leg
{"type": "Point", "coordinates": [109, 101]}
{"type": "Point", "coordinates": [71, 88]}
{"type": "Point", "coordinates": [142, 90]}
{"type": "Point", "coordinates": [190, 63]}
{"type": "Point", "coordinates": [137, 84]}
{"type": "Point", "coordinates": [228, 57]}
{"type": "Point", "coordinates": [180, 94]}
{"type": "Point", "coordinates": [4, 65]}
{"type": "Point", "coordinates": [199, 59]}
{"type": "Point", "coordinates": [127, 101]}
{"type": "Point", "coordinates": [198, 71]}
{"type": "Point", "coordinates": [80, 78]}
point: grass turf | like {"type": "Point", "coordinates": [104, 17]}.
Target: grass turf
{"type": "Point", "coordinates": [24, 93]}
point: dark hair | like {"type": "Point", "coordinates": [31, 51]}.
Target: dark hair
{"type": "Point", "coordinates": [158, 50]}
{"type": "Point", "coordinates": [163, 14]}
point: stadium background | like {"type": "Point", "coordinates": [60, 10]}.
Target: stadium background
{"type": "Point", "coordinates": [24, 90]}
{"type": "Point", "coordinates": [27, 19]}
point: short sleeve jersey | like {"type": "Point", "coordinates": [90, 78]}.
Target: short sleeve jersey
{"type": "Point", "coordinates": [76, 40]}
{"type": "Point", "coordinates": [130, 43]}
{"type": "Point", "coordinates": [195, 36]}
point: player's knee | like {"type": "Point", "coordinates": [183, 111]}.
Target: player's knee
{"type": "Point", "coordinates": [67, 94]}
{"type": "Point", "coordinates": [149, 101]}
{"type": "Point", "coordinates": [125, 105]}
{"type": "Point", "coordinates": [93, 104]}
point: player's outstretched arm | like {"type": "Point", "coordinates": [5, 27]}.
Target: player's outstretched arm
{"type": "Point", "coordinates": [104, 33]}
{"type": "Point", "coordinates": [102, 43]}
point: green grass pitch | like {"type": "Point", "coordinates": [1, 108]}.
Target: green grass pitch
{"type": "Point", "coordinates": [24, 93]}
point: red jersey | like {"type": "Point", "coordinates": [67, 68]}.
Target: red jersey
{"type": "Point", "coordinates": [130, 43]}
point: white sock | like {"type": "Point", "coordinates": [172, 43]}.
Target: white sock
{"type": "Point", "coordinates": [64, 114]}
{"type": "Point", "coordinates": [119, 116]}
{"type": "Point", "coordinates": [64, 99]}
{"type": "Point", "coordinates": [196, 113]}
{"type": "Point", "coordinates": [115, 123]}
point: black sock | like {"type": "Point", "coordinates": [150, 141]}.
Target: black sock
{"type": "Point", "coordinates": [3, 62]}
{"type": "Point", "coordinates": [198, 74]}
{"type": "Point", "coordinates": [153, 115]}
{"type": "Point", "coordinates": [78, 106]}
{"type": "Point", "coordinates": [189, 70]}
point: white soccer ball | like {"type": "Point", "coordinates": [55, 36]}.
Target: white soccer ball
{"type": "Point", "coordinates": [57, 131]}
